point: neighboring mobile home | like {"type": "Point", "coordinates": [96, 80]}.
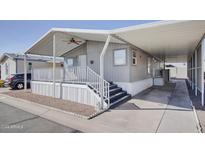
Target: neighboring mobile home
{"type": "Point", "coordinates": [14, 63]}
{"type": "Point", "coordinates": [103, 68]}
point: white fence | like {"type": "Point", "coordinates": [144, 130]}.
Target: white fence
{"type": "Point", "coordinates": [72, 92]}
{"type": "Point", "coordinates": [46, 74]}
{"type": "Point", "coordinates": [76, 75]}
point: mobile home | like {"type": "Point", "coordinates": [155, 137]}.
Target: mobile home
{"type": "Point", "coordinates": [103, 68]}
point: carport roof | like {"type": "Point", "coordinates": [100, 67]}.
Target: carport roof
{"type": "Point", "coordinates": [29, 58]}
{"type": "Point", "coordinates": [164, 38]}
{"type": "Point", "coordinates": [44, 45]}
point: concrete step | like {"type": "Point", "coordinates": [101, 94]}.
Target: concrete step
{"type": "Point", "coordinates": [115, 91]}
{"type": "Point", "coordinates": [111, 82]}
{"type": "Point", "coordinates": [113, 86]}
{"type": "Point", "coordinates": [121, 100]}
{"type": "Point", "coordinates": [118, 96]}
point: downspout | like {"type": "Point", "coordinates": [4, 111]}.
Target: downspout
{"type": "Point", "coordinates": [202, 70]}
{"type": "Point", "coordinates": [54, 64]}
{"type": "Point", "coordinates": [196, 70]}
{"type": "Point", "coordinates": [192, 72]}
{"type": "Point", "coordinates": [25, 72]}
{"type": "Point", "coordinates": [102, 55]}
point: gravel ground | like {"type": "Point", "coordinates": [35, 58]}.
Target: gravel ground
{"type": "Point", "coordinates": [200, 110]}
{"type": "Point", "coordinates": [69, 106]}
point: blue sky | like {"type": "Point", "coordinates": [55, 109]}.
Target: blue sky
{"type": "Point", "coordinates": [17, 36]}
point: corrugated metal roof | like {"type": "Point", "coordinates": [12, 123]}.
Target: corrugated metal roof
{"type": "Point", "coordinates": [30, 57]}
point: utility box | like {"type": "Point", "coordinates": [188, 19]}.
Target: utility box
{"type": "Point", "coordinates": [166, 75]}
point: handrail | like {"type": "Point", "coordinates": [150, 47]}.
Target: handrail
{"type": "Point", "coordinates": [84, 74]}
{"type": "Point", "coordinates": [100, 85]}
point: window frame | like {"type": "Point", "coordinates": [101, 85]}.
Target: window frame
{"type": "Point", "coordinates": [134, 58]}
{"type": "Point", "coordinates": [125, 49]}
{"type": "Point", "coordinates": [70, 58]}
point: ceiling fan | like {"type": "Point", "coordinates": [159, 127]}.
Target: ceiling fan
{"type": "Point", "coordinates": [72, 40]}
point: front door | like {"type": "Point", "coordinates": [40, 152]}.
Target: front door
{"type": "Point", "coordinates": [82, 60]}
{"type": "Point", "coordinates": [82, 67]}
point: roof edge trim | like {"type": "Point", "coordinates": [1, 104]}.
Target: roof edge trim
{"type": "Point", "coordinates": [146, 25]}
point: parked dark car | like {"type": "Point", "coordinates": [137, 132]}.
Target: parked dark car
{"type": "Point", "coordinates": [16, 81]}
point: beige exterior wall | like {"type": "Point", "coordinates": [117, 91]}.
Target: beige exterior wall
{"type": "Point", "coordinates": [125, 73]}
{"type": "Point", "coordinates": [82, 50]}
{"type": "Point", "coordinates": [111, 71]}
{"type": "Point", "coordinates": [140, 70]}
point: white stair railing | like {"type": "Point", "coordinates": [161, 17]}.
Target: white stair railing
{"type": "Point", "coordinates": [84, 74]}
{"type": "Point", "coordinates": [99, 85]}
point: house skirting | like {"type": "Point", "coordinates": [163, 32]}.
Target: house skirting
{"type": "Point", "coordinates": [134, 88]}
{"type": "Point", "coordinates": [73, 92]}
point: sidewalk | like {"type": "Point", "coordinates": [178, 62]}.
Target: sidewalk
{"type": "Point", "coordinates": [179, 115]}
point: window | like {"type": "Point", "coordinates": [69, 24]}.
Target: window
{"type": "Point", "coordinates": [70, 62]}
{"type": "Point", "coordinates": [134, 58]}
{"type": "Point", "coordinates": [29, 66]}
{"type": "Point", "coordinates": [120, 57]}
{"type": "Point", "coordinates": [149, 65]}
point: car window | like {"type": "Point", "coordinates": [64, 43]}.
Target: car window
{"type": "Point", "coordinates": [19, 76]}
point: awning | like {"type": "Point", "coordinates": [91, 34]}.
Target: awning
{"type": "Point", "coordinates": [63, 36]}
{"type": "Point", "coordinates": [166, 38]}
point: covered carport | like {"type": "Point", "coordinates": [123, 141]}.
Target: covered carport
{"type": "Point", "coordinates": [172, 38]}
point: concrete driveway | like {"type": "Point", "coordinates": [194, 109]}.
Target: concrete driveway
{"type": "Point", "coordinates": [158, 109]}
{"type": "Point", "coordinates": [179, 115]}
{"type": "Point", "coordinates": [13, 120]}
